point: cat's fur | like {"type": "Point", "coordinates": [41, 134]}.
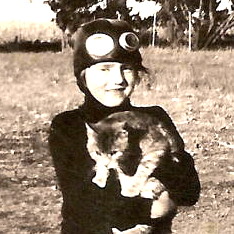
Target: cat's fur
{"type": "Point", "coordinates": [132, 143]}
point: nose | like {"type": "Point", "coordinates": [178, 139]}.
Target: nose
{"type": "Point", "coordinates": [117, 76]}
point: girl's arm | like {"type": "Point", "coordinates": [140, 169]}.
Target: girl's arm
{"type": "Point", "coordinates": [180, 178]}
{"type": "Point", "coordinates": [177, 172]}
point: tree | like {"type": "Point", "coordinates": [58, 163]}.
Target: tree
{"type": "Point", "coordinates": [72, 13]}
{"type": "Point", "coordinates": [209, 24]}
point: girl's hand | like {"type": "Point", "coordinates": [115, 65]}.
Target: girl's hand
{"type": "Point", "coordinates": [152, 189]}
{"type": "Point", "coordinates": [138, 229]}
{"type": "Point", "coordinates": [162, 206]}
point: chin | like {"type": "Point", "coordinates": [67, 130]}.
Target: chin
{"type": "Point", "coordinates": [112, 102]}
{"type": "Point", "coordinates": [112, 99]}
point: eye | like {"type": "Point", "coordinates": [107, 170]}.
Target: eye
{"type": "Point", "coordinates": [113, 152]}
{"type": "Point", "coordinates": [128, 72]}
{"type": "Point", "coordinates": [127, 68]}
{"type": "Point", "coordinates": [105, 69]}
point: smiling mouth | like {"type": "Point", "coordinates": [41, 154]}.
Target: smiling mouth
{"type": "Point", "coordinates": [117, 89]}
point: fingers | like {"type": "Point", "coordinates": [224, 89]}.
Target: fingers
{"type": "Point", "coordinates": [162, 206]}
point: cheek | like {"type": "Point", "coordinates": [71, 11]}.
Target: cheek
{"type": "Point", "coordinates": [93, 85]}
{"type": "Point", "coordinates": [95, 82]}
{"type": "Point", "coordinates": [130, 78]}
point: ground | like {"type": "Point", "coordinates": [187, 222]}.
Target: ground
{"type": "Point", "coordinates": [194, 88]}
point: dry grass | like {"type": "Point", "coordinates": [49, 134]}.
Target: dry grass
{"type": "Point", "coordinates": [195, 88]}
{"type": "Point", "coordinates": [183, 69]}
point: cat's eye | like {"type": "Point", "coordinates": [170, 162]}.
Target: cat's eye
{"type": "Point", "coordinates": [123, 134]}
{"type": "Point", "coordinates": [113, 152]}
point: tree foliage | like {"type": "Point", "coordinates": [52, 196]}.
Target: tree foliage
{"type": "Point", "coordinates": [208, 24]}
{"type": "Point", "coordinates": [211, 24]}
{"type": "Point", "coordinates": [72, 13]}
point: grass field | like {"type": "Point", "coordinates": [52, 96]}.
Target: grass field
{"type": "Point", "coordinates": [195, 88]}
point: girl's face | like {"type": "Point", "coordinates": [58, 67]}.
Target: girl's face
{"type": "Point", "coordinates": [110, 82]}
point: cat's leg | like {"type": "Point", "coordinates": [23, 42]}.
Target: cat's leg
{"type": "Point", "coordinates": [101, 168]}
{"type": "Point", "coordinates": [131, 186]}
{"type": "Point", "coordinates": [114, 159]}
{"type": "Point", "coordinates": [127, 184]}
{"type": "Point", "coordinates": [101, 176]}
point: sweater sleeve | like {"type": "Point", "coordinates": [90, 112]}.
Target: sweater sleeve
{"type": "Point", "coordinates": [67, 147]}
{"type": "Point", "coordinates": [179, 176]}
{"type": "Point", "coordinates": [86, 207]}
{"type": "Point", "coordinates": [177, 172]}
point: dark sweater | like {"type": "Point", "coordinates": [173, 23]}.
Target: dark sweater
{"type": "Point", "coordinates": [89, 209]}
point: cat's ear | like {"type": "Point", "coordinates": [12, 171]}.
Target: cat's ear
{"type": "Point", "coordinates": [90, 131]}
{"type": "Point", "coordinates": [126, 126]}
{"type": "Point", "coordinates": [91, 140]}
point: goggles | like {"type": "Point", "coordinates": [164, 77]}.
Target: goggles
{"type": "Point", "coordinates": [99, 45]}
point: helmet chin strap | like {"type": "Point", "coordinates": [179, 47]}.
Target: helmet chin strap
{"type": "Point", "coordinates": [94, 111]}
{"type": "Point", "coordinates": [81, 82]}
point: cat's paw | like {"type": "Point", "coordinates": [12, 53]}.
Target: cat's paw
{"type": "Point", "coordinates": [101, 182]}
{"type": "Point", "coordinates": [101, 176]}
{"type": "Point", "coordinates": [129, 187]}
{"type": "Point", "coordinates": [130, 192]}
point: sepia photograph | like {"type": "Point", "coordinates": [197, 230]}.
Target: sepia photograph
{"type": "Point", "coordinates": [117, 116]}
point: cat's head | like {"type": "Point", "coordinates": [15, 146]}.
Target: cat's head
{"type": "Point", "coordinates": [118, 132]}
{"type": "Point", "coordinates": [108, 137]}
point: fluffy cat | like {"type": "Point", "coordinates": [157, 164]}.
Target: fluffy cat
{"type": "Point", "coordinates": [133, 144]}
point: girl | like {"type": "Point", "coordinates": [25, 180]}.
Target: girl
{"type": "Point", "coordinates": [106, 64]}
